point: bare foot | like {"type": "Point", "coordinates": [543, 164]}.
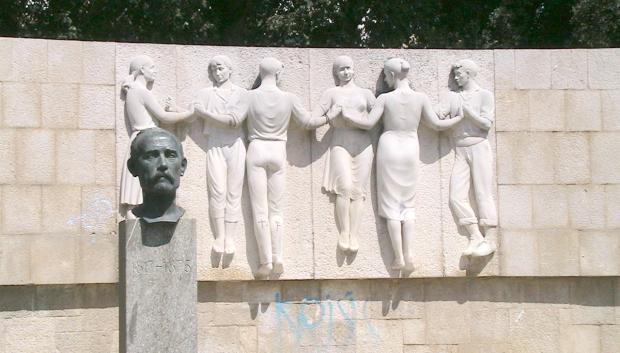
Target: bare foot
{"type": "Point", "coordinates": [218, 245]}
{"type": "Point", "coordinates": [343, 242]}
{"type": "Point", "coordinates": [398, 264]}
{"type": "Point", "coordinates": [409, 265]}
{"type": "Point", "coordinates": [229, 246]}
{"type": "Point", "coordinates": [353, 244]}
{"type": "Point", "coordinates": [264, 270]}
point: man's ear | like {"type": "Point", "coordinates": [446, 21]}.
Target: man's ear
{"type": "Point", "coordinates": [183, 165]}
{"type": "Point", "coordinates": [131, 165]}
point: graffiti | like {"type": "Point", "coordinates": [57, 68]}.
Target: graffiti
{"type": "Point", "coordinates": [325, 323]}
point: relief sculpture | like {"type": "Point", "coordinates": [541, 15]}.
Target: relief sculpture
{"type": "Point", "coordinates": [402, 109]}
{"type": "Point", "coordinates": [142, 111]}
{"type": "Point", "coordinates": [349, 159]}
{"type": "Point", "coordinates": [473, 163]}
{"type": "Point", "coordinates": [468, 111]}
{"type": "Point", "coordinates": [225, 152]}
{"type": "Point", "coordinates": [268, 110]}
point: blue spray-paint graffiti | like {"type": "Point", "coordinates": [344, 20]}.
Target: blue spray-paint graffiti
{"type": "Point", "coordinates": [313, 321]}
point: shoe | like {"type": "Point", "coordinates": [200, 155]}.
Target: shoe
{"type": "Point", "coordinates": [484, 249]}
{"type": "Point", "coordinates": [474, 241]}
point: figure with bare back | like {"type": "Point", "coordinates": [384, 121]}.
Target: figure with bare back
{"type": "Point", "coordinates": [402, 110]}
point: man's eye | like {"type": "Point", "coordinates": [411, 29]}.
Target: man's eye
{"type": "Point", "coordinates": [171, 154]}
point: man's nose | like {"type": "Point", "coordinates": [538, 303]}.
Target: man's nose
{"type": "Point", "coordinates": [162, 163]}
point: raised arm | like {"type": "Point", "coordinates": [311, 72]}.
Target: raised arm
{"type": "Point", "coordinates": [484, 120]}
{"type": "Point", "coordinates": [431, 119]}
{"type": "Point", "coordinates": [153, 107]}
{"type": "Point", "coordinates": [365, 120]}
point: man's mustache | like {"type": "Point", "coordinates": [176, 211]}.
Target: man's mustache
{"type": "Point", "coordinates": [165, 176]}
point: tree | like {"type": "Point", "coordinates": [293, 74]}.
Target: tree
{"type": "Point", "coordinates": [323, 23]}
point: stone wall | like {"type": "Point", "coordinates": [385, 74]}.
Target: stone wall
{"type": "Point", "coordinates": [449, 315]}
{"type": "Point", "coordinates": [557, 135]}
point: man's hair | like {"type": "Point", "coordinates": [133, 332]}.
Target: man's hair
{"type": "Point", "coordinates": [470, 66]}
{"type": "Point", "coordinates": [219, 59]}
{"type": "Point", "coordinates": [136, 144]}
{"type": "Point", "coordinates": [269, 66]}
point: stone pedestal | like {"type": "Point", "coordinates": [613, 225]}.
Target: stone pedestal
{"type": "Point", "coordinates": [158, 291]}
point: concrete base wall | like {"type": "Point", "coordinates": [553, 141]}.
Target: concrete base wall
{"type": "Point", "coordinates": [493, 315]}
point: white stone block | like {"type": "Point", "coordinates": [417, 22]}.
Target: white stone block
{"type": "Point", "coordinates": [550, 206]}
{"type": "Point", "coordinates": [6, 58]}
{"type": "Point", "coordinates": [512, 110]}
{"type": "Point", "coordinates": [97, 107]}
{"type": "Point", "coordinates": [29, 335]}
{"type": "Point", "coordinates": [21, 209]}
{"type": "Point", "coordinates": [583, 111]}
{"type": "Point", "coordinates": [558, 252]}
{"type": "Point", "coordinates": [525, 158]}
{"type": "Point", "coordinates": [35, 156]}
{"type": "Point", "coordinates": [490, 325]}
{"type": "Point", "coordinates": [432, 348]}
{"type": "Point", "coordinates": [98, 62]}
{"type": "Point", "coordinates": [447, 313]}
{"type": "Point", "coordinates": [61, 209]}
{"type": "Point", "coordinates": [612, 205]}
{"type": "Point", "coordinates": [592, 301]}
{"type": "Point", "coordinates": [76, 157]}
{"type": "Point", "coordinates": [504, 69]}
{"type": "Point", "coordinates": [14, 260]}
{"type": "Point", "coordinates": [604, 68]}
{"type": "Point", "coordinates": [546, 110]}
{"type": "Point", "coordinates": [414, 331]}
{"type": "Point", "coordinates": [533, 69]}
{"type": "Point", "coordinates": [600, 253]}
{"type": "Point", "coordinates": [105, 153]}
{"type": "Point", "coordinates": [28, 60]}
{"type": "Point", "coordinates": [610, 338]}
{"type": "Point", "coordinates": [568, 69]}
{"type": "Point", "coordinates": [604, 169]}
{"type": "Point", "coordinates": [534, 329]}
{"type": "Point", "coordinates": [97, 258]}
{"type": "Point", "coordinates": [52, 259]}
{"type": "Point", "coordinates": [610, 110]}
{"type": "Point", "coordinates": [519, 253]}
{"type": "Point", "coordinates": [59, 105]}
{"type": "Point", "coordinates": [586, 207]}
{"type": "Point", "coordinates": [64, 61]}
{"type": "Point", "coordinates": [572, 160]}
{"type": "Point", "coordinates": [22, 104]}
{"type": "Point", "coordinates": [581, 338]}
{"type": "Point", "coordinates": [8, 143]}
{"type": "Point", "coordinates": [515, 206]}
{"type": "Point", "coordinates": [99, 209]}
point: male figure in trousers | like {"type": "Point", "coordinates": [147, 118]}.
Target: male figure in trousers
{"type": "Point", "coordinates": [473, 158]}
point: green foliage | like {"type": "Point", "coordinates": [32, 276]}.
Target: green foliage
{"type": "Point", "coordinates": [323, 23]}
